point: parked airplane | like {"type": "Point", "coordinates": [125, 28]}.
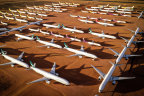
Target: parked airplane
{"type": "Point", "coordinates": [48, 75]}
{"type": "Point", "coordinates": [13, 29]}
{"type": "Point", "coordinates": [101, 35]}
{"type": "Point", "coordinates": [8, 18]}
{"type": "Point", "coordinates": [79, 52]}
{"type": "Point", "coordinates": [43, 32]}
{"type": "Point", "coordinates": [34, 30]}
{"type": "Point", "coordinates": [25, 37]}
{"type": "Point", "coordinates": [72, 30]}
{"type": "Point", "coordinates": [35, 23]}
{"type": "Point", "coordinates": [73, 39]}
{"type": "Point", "coordinates": [51, 26]}
{"type": "Point", "coordinates": [91, 43]}
{"type": "Point", "coordinates": [3, 23]}
{"type": "Point", "coordinates": [57, 35]}
{"type": "Point", "coordinates": [48, 44]}
{"type": "Point", "coordinates": [18, 61]}
{"type": "Point", "coordinates": [85, 21]}
{"type": "Point", "coordinates": [105, 24]}
{"type": "Point", "coordinates": [122, 54]}
{"type": "Point", "coordinates": [108, 77]}
{"type": "Point", "coordinates": [141, 15]}
{"type": "Point", "coordinates": [20, 20]}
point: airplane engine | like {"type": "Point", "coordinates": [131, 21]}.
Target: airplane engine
{"type": "Point", "coordinates": [99, 78]}
{"type": "Point", "coordinates": [21, 60]}
{"type": "Point", "coordinates": [114, 82]}
{"type": "Point", "coordinates": [47, 81]}
{"type": "Point", "coordinates": [56, 74]}
{"type": "Point", "coordinates": [12, 65]}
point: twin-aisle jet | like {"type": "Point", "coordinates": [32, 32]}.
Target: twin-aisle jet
{"type": "Point", "coordinates": [73, 39]}
{"type": "Point", "coordinates": [48, 75]}
{"type": "Point", "coordinates": [57, 35]}
{"type": "Point", "coordinates": [102, 35]}
{"type": "Point", "coordinates": [108, 77]}
{"type": "Point", "coordinates": [91, 43]}
{"type": "Point", "coordinates": [25, 37]}
{"type": "Point", "coordinates": [79, 52]}
{"type": "Point", "coordinates": [122, 54]}
{"type": "Point", "coordinates": [51, 26]}
{"type": "Point", "coordinates": [48, 44]}
{"type": "Point", "coordinates": [14, 61]}
{"type": "Point", "coordinates": [20, 20]}
{"type": "Point", "coordinates": [72, 30]}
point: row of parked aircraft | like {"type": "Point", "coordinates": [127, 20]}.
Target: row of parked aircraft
{"type": "Point", "coordinates": [108, 77]}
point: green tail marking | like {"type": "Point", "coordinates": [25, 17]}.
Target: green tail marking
{"type": "Point", "coordinates": [32, 64]}
{"type": "Point", "coordinates": [65, 45]}
{"type": "Point", "coordinates": [37, 38]}
{"type": "Point", "coordinates": [33, 36]}
{"type": "Point", "coordinates": [90, 30]}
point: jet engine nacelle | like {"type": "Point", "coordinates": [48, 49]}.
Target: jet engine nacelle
{"type": "Point", "coordinates": [99, 78]}
{"type": "Point", "coordinates": [114, 82]}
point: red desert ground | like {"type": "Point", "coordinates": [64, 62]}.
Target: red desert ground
{"type": "Point", "coordinates": [83, 78]}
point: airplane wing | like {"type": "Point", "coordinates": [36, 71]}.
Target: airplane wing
{"type": "Point", "coordinates": [114, 51]}
{"type": "Point", "coordinates": [101, 73]}
{"type": "Point", "coordinates": [122, 78]}
{"type": "Point", "coordinates": [42, 46]}
{"type": "Point", "coordinates": [38, 80]}
{"type": "Point", "coordinates": [9, 63]}
{"type": "Point", "coordinates": [20, 56]}
{"type": "Point", "coordinates": [74, 55]}
{"type": "Point", "coordinates": [133, 55]}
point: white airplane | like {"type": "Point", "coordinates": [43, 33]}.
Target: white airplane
{"type": "Point", "coordinates": [91, 9]}
{"type": "Point", "coordinates": [48, 44]}
{"type": "Point", "coordinates": [103, 36]}
{"type": "Point", "coordinates": [37, 18]}
{"type": "Point", "coordinates": [30, 13]}
{"type": "Point", "coordinates": [12, 10]}
{"type": "Point", "coordinates": [42, 15]}
{"type": "Point", "coordinates": [20, 20]}
{"type": "Point", "coordinates": [107, 10]}
{"type": "Point", "coordinates": [72, 30]}
{"type": "Point", "coordinates": [122, 54]}
{"type": "Point", "coordinates": [57, 35]}
{"type": "Point", "coordinates": [80, 52]}
{"type": "Point", "coordinates": [124, 12]}
{"type": "Point", "coordinates": [25, 37]}
{"type": "Point", "coordinates": [105, 24]}
{"type": "Point", "coordinates": [108, 77]}
{"type": "Point", "coordinates": [8, 18]}
{"type": "Point", "coordinates": [3, 23]}
{"type": "Point", "coordinates": [51, 26]}
{"type": "Point", "coordinates": [91, 43]}
{"type": "Point", "coordinates": [34, 30]}
{"type": "Point", "coordinates": [85, 21]}
{"type": "Point", "coordinates": [136, 32]}
{"type": "Point", "coordinates": [18, 61]}
{"type": "Point", "coordinates": [44, 32]}
{"type": "Point", "coordinates": [73, 39]}
{"type": "Point", "coordinates": [13, 29]}
{"type": "Point", "coordinates": [48, 75]}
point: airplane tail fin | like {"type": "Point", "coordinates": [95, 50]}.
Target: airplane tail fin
{"type": "Point", "coordinates": [65, 45]}
{"type": "Point", "coordinates": [3, 52]}
{"type": "Point", "coordinates": [37, 38]}
{"type": "Point", "coordinates": [84, 40]}
{"type": "Point", "coordinates": [59, 26]}
{"type": "Point", "coordinates": [32, 36]}
{"type": "Point", "coordinates": [21, 56]}
{"type": "Point", "coordinates": [90, 31]}
{"type": "Point", "coordinates": [82, 48]}
{"type": "Point", "coordinates": [52, 41]}
{"type": "Point", "coordinates": [63, 26]}
{"type": "Point", "coordinates": [33, 65]}
{"type": "Point", "coordinates": [53, 69]}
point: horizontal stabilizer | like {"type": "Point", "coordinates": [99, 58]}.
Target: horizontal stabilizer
{"type": "Point", "coordinates": [100, 73]}
{"type": "Point", "coordinates": [133, 55]}
{"type": "Point", "coordinates": [122, 78]}
{"type": "Point", "coordinates": [38, 80]}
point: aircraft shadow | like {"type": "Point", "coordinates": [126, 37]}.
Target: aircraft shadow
{"type": "Point", "coordinates": [74, 76]}
{"type": "Point", "coordinates": [4, 39]}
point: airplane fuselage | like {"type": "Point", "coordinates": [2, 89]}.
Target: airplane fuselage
{"type": "Point", "coordinates": [103, 35]}
{"type": "Point", "coordinates": [24, 37]}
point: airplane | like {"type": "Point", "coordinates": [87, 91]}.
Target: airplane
{"type": "Point", "coordinates": [91, 43]}
{"type": "Point", "coordinates": [3, 23]}
{"type": "Point", "coordinates": [86, 21]}
{"type": "Point", "coordinates": [8, 18]}
{"type": "Point", "coordinates": [106, 10]}
{"type": "Point", "coordinates": [57, 35]}
{"type": "Point", "coordinates": [3, 29]}
{"type": "Point", "coordinates": [48, 44]}
{"type": "Point", "coordinates": [42, 15]}
{"type": "Point", "coordinates": [79, 52]}
{"type": "Point", "coordinates": [20, 20]}
{"type": "Point", "coordinates": [73, 39]}
{"type": "Point", "coordinates": [25, 37]}
{"type": "Point", "coordinates": [18, 61]}
{"type": "Point", "coordinates": [44, 32]}
{"type": "Point", "coordinates": [72, 30]}
{"type": "Point", "coordinates": [34, 30]}
{"type": "Point", "coordinates": [34, 23]}
{"type": "Point", "coordinates": [48, 75]}
{"type": "Point", "coordinates": [37, 18]}
{"type": "Point", "coordinates": [51, 26]}
{"type": "Point", "coordinates": [103, 23]}
{"type": "Point", "coordinates": [122, 54]}
{"type": "Point", "coordinates": [124, 12]}
{"type": "Point", "coordinates": [91, 9]}
{"type": "Point", "coordinates": [13, 29]}
{"type": "Point", "coordinates": [136, 32]}
{"type": "Point", "coordinates": [108, 77]}
{"type": "Point", "coordinates": [12, 10]}
{"type": "Point", "coordinates": [101, 35]}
